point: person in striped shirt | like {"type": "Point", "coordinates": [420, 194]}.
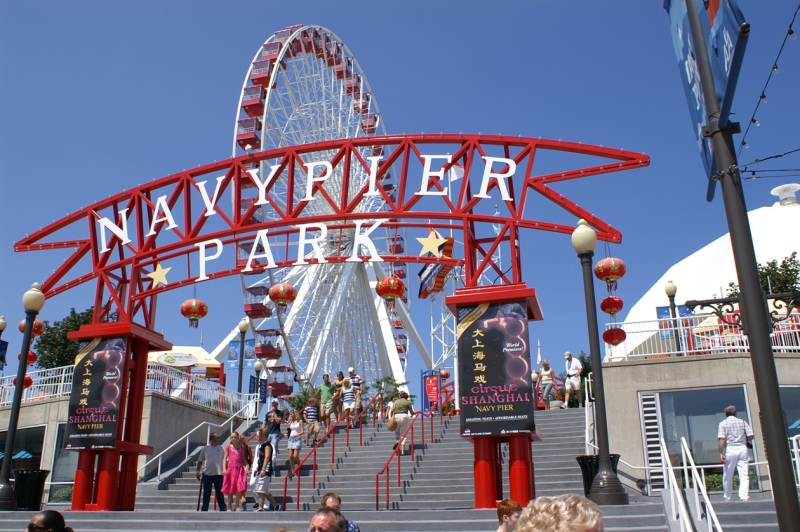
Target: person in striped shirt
{"type": "Point", "coordinates": [309, 414]}
{"type": "Point", "coordinates": [348, 400]}
{"type": "Point", "coordinates": [357, 382]}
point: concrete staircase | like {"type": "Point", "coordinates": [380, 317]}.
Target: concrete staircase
{"type": "Point", "coordinates": [435, 491]}
{"type": "Point", "coordinates": [751, 515]}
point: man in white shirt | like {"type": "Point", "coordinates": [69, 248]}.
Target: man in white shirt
{"type": "Point", "coordinates": [734, 433]}
{"type": "Point", "coordinates": [211, 456]}
{"type": "Point", "coordinates": [573, 380]}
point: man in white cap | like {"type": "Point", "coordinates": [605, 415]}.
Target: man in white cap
{"type": "Point", "coordinates": [573, 381]}
{"type": "Point", "coordinates": [357, 383]}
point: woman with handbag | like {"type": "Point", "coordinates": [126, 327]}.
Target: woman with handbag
{"type": "Point", "coordinates": [402, 414]}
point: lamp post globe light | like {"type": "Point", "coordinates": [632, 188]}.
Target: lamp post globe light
{"type": "Point", "coordinates": [33, 302]}
{"type": "Point", "coordinates": [244, 326]}
{"type": "Point", "coordinates": [670, 289]}
{"type": "Point", "coordinates": [3, 324]}
{"type": "Point", "coordinates": [606, 487]}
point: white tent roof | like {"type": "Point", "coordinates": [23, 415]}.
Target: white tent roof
{"type": "Point", "coordinates": [701, 275]}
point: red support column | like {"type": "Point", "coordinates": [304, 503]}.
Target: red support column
{"type": "Point", "coordinates": [498, 468]}
{"type": "Point", "coordinates": [133, 431]}
{"type": "Point", "coordinates": [84, 481]}
{"type": "Point", "coordinates": [520, 459]}
{"type": "Point", "coordinates": [107, 482]}
{"type": "Point", "coordinates": [485, 472]}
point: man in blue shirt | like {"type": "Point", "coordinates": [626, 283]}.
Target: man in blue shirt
{"type": "Point", "coordinates": [273, 425]}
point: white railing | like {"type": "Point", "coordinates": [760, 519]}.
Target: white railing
{"type": "Point", "coordinates": [677, 512]}
{"type": "Point", "coordinates": [796, 458]}
{"type": "Point", "coordinates": [702, 334]}
{"type": "Point", "coordinates": [588, 414]}
{"type": "Point", "coordinates": [55, 382]}
{"type": "Point", "coordinates": [248, 411]}
{"type": "Point", "coordinates": [165, 380]}
{"type": "Point", "coordinates": [705, 510]}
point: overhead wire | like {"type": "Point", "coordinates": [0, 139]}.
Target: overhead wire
{"type": "Point", "coordinates": [773, 70]}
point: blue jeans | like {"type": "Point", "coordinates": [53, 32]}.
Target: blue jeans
{"type": "Point", "coordinates": [274, 438]}
{"type": "Point", "coordinates": [546, 392]}
{"type": "Point", "coordinates": [216, 481]}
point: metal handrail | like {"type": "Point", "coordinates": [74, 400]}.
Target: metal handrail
{"type": "Point", "coordinates": [185, 437]}
{"type": "Point", "coordinates": [698, 482]}
{"type": "Point", "coordinates": [682, 514]}
{"type": "Point", "coordinates": [312, 452]}
{"type": "Point", "coordinates": [448, 393]}
{"type": "Point", "coordinates": [396, 452]}
{"type": "Point", "coordinates": [360, 419]}
{"type": "Point", "coordinates": [796, 453]}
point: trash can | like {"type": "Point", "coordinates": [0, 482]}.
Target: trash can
{"type": "Point", "coordinates": [29, 488]}
{"type": "Point", "coordinates": [590, 464]}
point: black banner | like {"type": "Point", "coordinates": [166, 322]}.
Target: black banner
{"type": "Point", "coordinates": [96, 389]}
{"type": "Point", "coordinates": [494, 369]}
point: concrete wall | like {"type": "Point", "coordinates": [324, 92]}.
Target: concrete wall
{"type": "Point", "coordinates": [48, 412]}
{"type": "Point", "coordinates": [165, 419]}
{"type": "Point", "coordinates": [625, 379]}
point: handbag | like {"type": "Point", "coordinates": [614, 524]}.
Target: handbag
{"type": "Point", "coordinates": [392, 425]}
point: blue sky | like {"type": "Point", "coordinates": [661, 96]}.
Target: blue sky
{"type": "Point", "coordinates": [97, 97]}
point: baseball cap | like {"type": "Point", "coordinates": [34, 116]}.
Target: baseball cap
{"type": "Point", "coordinates": [350, 370]}
{"type": "Point", "coordinates": [567, 354]}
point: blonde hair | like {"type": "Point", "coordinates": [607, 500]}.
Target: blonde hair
{"type": "Point", "coordinates": [545, 363]}
{"type": "Point", "coordinates": [238, 436]}
{"type": "Point", "coordinates": [346, 383]}
{"type": "Point", "coordinates": [566, 513]}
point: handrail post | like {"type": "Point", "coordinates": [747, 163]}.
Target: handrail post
{"type": "Point", "coordinates": [314, 474]}
{"type": "Point", "coordinates": [387, 489]}
{"type": "Point", "coordinates": [440, 415]}
{"type": "Point", "coordinates": [347, 433]}
{"type": "Point", "coordinates": [411, 454]}
{"type": "Point", "coordinates": [423, 429]}
{"type": "Point", "coordinates": [333, 444]}
{"type": "Point", "coordinates": [399, 467]}
{"type": "Point", "coordinates": [377, 490]}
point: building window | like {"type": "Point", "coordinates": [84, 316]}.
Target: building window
{"type": "Point", "coordinates": [65, 463]}
{"type": "Point", "coordinates": [27, 453]}
{"type": "Point", "coordinates": [696, 415]}
{"type": "Point", "coordinates": [790, 398]}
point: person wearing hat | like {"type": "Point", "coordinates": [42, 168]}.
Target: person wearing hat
{"type": "Point", "coordinates": [573, 380]}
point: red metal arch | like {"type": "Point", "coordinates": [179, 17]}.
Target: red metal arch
{"type": "Point", "coordinates": [120, 271]}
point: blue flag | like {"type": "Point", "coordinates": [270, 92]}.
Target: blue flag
{"type": "Point", "coordinates": [720, 20]}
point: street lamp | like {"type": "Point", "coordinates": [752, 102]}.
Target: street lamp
{"type": "Point", "coordinates": [244, 326]}
{"type": "Point", "coordinates": [33, 302]}
{"type": "Point", "coordinates": [670, 289]}
{"type": "Point", "coordinates": [3, 324]}
{"type": "Point", "coordinates": [606, 487]}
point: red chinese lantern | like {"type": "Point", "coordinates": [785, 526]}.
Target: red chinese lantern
{"type": "Point", "coordinates": [27, 383]}
{"type": "Point", "coordinates": [611, 305]}
{"type": "Point", "coordinates": [610, 270]}
{"type": "Point", "coordinates": [282, 294]}
{"type": "Point", "coordinates": [31, 357]}
{"type": "Point", "coordinates": [390, 289]}
{"type": "Point", "coordinates": [37, 330]}
{"type": "Point", "coordinates": [614, 336]}
{"type": "Point", "coordinates": [194, 309]}
{"type": "Point", "coordinates": [444, 374]}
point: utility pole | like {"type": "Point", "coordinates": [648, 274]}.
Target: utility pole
{"type": "Point", "coordinates": [756, 323]}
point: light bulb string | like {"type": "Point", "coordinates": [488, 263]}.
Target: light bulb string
{"type": "Point", "coordinates": [772, 70]}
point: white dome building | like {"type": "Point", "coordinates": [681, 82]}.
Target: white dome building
{"type": "Point", "coordinates": [707, 272]}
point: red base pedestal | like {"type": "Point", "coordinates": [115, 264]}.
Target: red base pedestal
{"type": "Point", "coordinates": [486, 472]}
{"type": "Point", "coordinates": [113, 487]}
{"type": "Point", "coordinates": [520, 460]}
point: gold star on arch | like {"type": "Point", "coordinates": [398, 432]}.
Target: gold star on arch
{"type": "Point", "coordinates": [159, 276]}
{"type": "Point", "coordinates": [431, 244]}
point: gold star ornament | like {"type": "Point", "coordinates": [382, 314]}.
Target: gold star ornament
{"type": "Point", "coordinates": [431, 244]}
{"type": "Point", "coordinates": [159, 276]}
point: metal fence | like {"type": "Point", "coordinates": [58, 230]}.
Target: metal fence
{"type": "Point", "coordinates": [172, 382]}
{"type": "Point", "coordinates": [702, 334]}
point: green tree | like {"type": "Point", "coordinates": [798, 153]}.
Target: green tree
{"type": "Point", "coordinates": [302, 397]}
{"type": "Point", "coordinates": [52, 347]}
{"type": "Point", "coordinates": [390, 388]}
{"type": "Point", "coordinates": [775, 278]}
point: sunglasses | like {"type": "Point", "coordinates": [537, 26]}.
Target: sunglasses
{"type": "Point", "coordinates": [31, 526]}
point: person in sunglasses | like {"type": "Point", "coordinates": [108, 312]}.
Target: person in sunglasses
{"type": "Point", "coordinates": [48, 521]}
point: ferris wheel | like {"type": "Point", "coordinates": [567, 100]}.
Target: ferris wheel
{"type": "Point", "coordinates": [305, 86]}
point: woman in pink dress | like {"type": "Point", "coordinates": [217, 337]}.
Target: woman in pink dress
{"type": "Point", "coordinates": [235, 465]}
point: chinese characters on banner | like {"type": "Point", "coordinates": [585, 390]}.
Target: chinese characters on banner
{"type": "Point", "coordinates": [494, 369]}
{"type": "Point", "coordinates": [93, 414]}
{"type": "Point", "coordinates": [232, 360]}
